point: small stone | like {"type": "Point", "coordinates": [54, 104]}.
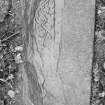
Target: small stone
{"type": "Point", "coordinates": [19, 48]}
{"type": "Point", "coordinates": [99, 11]}
{"type": "Point", "coordinates": [100, 34]}
{"type": "Point", "coordinates": [102, 94]}
{"type": "Point", "coordinates": [18, 58]}
{"type": "Point", "coordinates": [11, 93]}
{"type": "Point", "coordinates": [102, 8]}
{"type": "Point", "coordinates": [96, 79]}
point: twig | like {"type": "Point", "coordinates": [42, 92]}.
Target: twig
{"type": "Point", "coordinates": [10, 36]}
{"type": "Point", "coordinates": [2, 80]}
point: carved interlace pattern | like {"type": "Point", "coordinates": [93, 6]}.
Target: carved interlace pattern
{"type": "Point", "coordinates": [44, 22]}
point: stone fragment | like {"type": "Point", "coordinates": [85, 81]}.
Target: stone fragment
{"type": "Point", "coordinates": [11, 93]}
{"type": "Point", "coordinates": [18, 58]}
{"type": "Point", "coordinates": [18, 48]}
{"type": "Point", "coordinates": [99, 12]}
{"type": "Point", "coordinates": [102, 94]}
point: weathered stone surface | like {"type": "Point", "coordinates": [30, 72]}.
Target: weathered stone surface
{"type": "Point", "coordinates": [76, 54]}
{"type": "Point", "coordinates": [68, 83]}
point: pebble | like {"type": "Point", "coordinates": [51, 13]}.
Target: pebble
{"type": "Point", "coordinates": [19, 48]}
{"type": "Point", "coordinates": [99, 11]}
{"type": "Point", "coordinates": [102, 8]}
{"type": "Point", "coordinates": [11, 93]}
{"type": "Point", "coordinates": [102, 94]}
{"type": "Point", "coordinates": [18, 58]}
